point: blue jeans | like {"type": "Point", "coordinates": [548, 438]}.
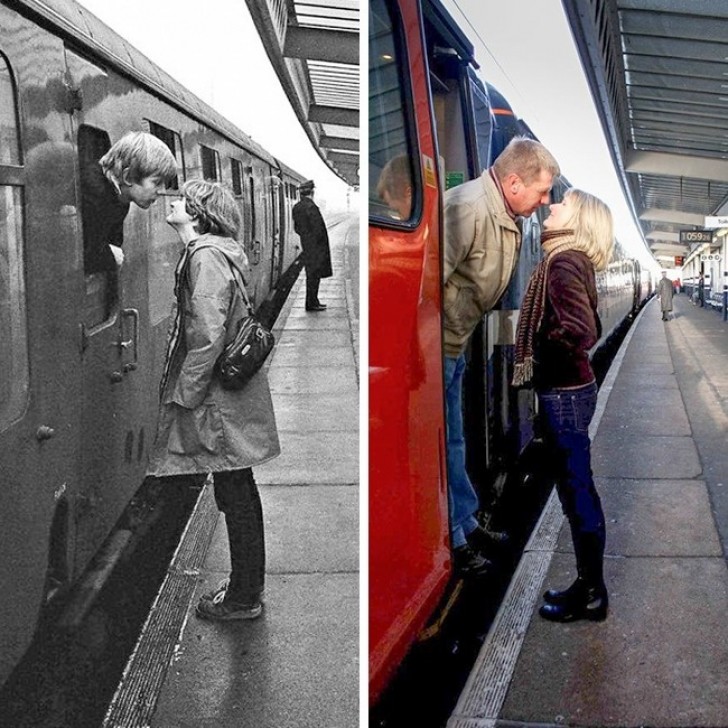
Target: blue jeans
{"type": "Point", "coordinates": [566, 414]}
{"type": "Point", "coordinates": [461, 496]}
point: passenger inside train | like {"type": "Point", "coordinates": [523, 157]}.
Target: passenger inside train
{"type": "Point", "coordinates": [137, 168]}
{"type": "Point", "coordinates": [395, 186]}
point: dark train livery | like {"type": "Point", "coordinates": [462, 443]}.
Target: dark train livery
{"type": "Point", "coordinates": [81, 353]}
{"type": "Point", "coordinates": [428, 105]}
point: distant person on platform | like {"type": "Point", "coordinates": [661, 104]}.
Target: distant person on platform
{"type": "Point", "coordinates": [701, 290]}
{"type": "Point", "coordinates": [482, 243]}
{"type": "Point", "coordinates": [665, 290]}
{"type": "Point", "coordinates": [137, 168]}
{"type": "Point", "coordinates": [310, 226]}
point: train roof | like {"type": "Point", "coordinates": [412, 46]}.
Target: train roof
{"type": "Point", "coordinates": [74, 22]}
{"type": "Point", "coordinates": [290, 172]}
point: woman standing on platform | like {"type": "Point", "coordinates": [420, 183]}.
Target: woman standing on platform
{"type": "Point", "coordinates": [558, 325]}
{"type": "Point", "coordinates": [204, 428]}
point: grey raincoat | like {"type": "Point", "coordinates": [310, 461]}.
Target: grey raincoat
{"type": "Point", "coordinates": [202, 427]}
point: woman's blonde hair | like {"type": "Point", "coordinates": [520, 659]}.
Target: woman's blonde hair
{"type": "Point", "coordinates": [214, 207]}
{"type": "Point", "coordinates": [593, 226]}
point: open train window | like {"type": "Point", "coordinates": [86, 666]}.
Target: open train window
{"type": "Point", "coordinates": [210, 163]}
{"type": "Point", "coordinates": [394, 182]}
{"type": "Point", "coordinates": [173, 141]}
{"type": "Point", "coordinates": [237, 172]}
{"type": "Point", "coordinates": [13, 320]}
{"type": "Point", "coordinates": [102, 220]}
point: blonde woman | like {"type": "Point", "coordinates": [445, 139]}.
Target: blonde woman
{"type": "Point", "coordinates": [204, 428]}
{"type": "Point", "coordinates": [558, 326]}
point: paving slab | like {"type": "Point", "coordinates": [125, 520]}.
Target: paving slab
{"type": "Point", "coordinates": [317, 412]}
{"type": "Point", "coordinates": [620, 454]}
{"type": "Point", "coordinates": [288, 669]}
{"type": "Point", "coordinates": [655, 518]}
{"type": "Point", "coordinates": [660, 659]}
{"type": "Point", "coordinates": [308, 529]}
{"type": "Point", "coordinates": [313, 459]}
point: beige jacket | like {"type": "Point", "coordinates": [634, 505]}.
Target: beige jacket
{"type": "Point", "coordinates": [202, 427]}
{"type": "Point", "coordinates": [482, 242]}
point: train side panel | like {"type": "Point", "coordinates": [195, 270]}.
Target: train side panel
{"type": "Point", "coordinates": [85, 351]}
{"type": "Point", "coordinates": [409, 552]}
{"type": "Point", "coordinates": [39, 425]}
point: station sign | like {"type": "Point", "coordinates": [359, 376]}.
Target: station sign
{"type": "Point", "coordinates": [696, 236]}
{"type": "Point", "coordinates": [710, 257]}
{"type": "Point", "coordinates": [716, 222]}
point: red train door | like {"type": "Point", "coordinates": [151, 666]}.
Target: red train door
{"type": "Point", "coordinates": [408, 551]}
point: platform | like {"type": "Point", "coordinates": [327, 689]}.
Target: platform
{"type": "Point", "coordinates": [297, 666]}
{"type": "Point", "coordinates": [660, 460]}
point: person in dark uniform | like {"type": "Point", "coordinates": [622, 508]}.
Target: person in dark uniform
{"type": "Point", "coordinates": [310, 226]}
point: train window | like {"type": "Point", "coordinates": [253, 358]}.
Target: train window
{"type": "Point", "coordinates": [237, 172]}
{"type": "Point", "coordinates": [210, 163]}
{"type": "Point", "coordinates": [173, 141]}
{"type": "Point", "coordinates": [13, 325]}
{"type": "Point", "coordinates": [102, 220]}
{"type": "Point", "coordinates": [249, 209]}
{"type": "Point", "coordinates": [14, 351]}
{"type": "Point", "coordinates": [483, 123]}
{"type": "Point", "coordinates": [394, 187]}
{"type": "Point", "coordinates": [9, 137]}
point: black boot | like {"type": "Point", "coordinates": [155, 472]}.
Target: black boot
{"type": "Point", "coordinates": [587, 597]}
{"type": "Point", "coordinates": [593, 605]}
{"type": "Point", "coordinates": [574, 592]}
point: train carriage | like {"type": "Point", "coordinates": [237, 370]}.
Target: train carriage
{"type": "Point", "coordinates": [82, 350]}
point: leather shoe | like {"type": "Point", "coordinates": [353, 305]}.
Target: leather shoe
{"type": "Point", "coordinates": [484, 540]}
{"type": "Point", "coordinates": [467, 562]}
{"type": "Point", "coordinates": [316, 307]}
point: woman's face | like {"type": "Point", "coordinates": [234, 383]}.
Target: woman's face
{"type": "Point", "coordinates": [179, 216]}
{"type": "Point", "coordinates": [560, 216]}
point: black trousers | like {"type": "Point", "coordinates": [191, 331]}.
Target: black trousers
{"type": "Point", "coordinates": [236, 495]}
{"type": "Point", "coordinates": [312, 288]}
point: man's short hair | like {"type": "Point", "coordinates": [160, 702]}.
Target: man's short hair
{"type": "Point", "coordinates": [526, 158]}
{"type": "Point", "coordinates": [143, 155]}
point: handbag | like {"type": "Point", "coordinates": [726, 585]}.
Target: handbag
{"type": "Point", "coordinates": [245, 353]}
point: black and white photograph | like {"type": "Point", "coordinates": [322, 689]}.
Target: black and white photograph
{"type": "Point", "coordinates": [179, 417]}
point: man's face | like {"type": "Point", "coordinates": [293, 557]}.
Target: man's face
{"type": "Point", "coordinates": [525, 199]}
{"type": "Point", "coordinates": [143, 193]}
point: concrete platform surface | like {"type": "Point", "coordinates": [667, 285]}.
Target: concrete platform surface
{"type": "Point", "coordinates": [660, 459]}
{"type": "Point", "coordinates": [297, 666]}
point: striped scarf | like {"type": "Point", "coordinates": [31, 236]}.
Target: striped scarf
{"type": "Point", "coordinates": [534, 303]}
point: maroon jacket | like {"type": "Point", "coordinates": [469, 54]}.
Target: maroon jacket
{"type": "Point", "coordinates": [570, 324]}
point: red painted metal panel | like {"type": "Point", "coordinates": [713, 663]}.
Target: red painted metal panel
{"type": "Point", "coordinates": [408, 534]}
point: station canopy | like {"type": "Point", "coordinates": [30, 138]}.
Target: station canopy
{"type": "Point", "coordinates": [314, 48]}
{"type": "Point", "coordinates": [658, 71]}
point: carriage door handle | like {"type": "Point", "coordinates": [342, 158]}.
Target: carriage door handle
{"type": "Point", "coordinates": [133, 314]}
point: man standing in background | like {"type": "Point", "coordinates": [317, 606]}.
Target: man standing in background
{"type": "Point", "coordinates": [310, 226]}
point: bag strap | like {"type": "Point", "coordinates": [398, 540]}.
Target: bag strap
{"type": "Point", "coordinates": [237, 275]}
